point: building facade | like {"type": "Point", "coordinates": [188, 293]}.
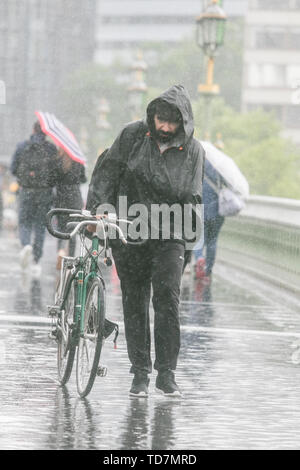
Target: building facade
{"type": "Point", "coordinates": [41, 43]}
{"type": "Point", "coordinates": [123, 25]}
{"type": "Point", "coordinates": [271, 78]}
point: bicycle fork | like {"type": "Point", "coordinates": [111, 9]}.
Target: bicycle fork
{"type": "Point", "coordinates": [83, 284]}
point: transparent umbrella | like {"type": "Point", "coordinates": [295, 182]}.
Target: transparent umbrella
{"type": "Point", "coordinates": [227, 168]}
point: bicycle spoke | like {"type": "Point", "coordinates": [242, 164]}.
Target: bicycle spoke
{"type": "Point", "coordinates": [90, 343]}
{"type": "Point", "coordinates": [65, 349]}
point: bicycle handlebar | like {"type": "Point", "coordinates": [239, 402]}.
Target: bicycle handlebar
{"type": "Point", "coordinates": [89, 219]}
{"type": "Point", "coordinates": [51, 229]}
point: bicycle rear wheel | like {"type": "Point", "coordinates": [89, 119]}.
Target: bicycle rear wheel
{"type": "Point", "coordinates": [91, 340]}
{"type": "Point", "coordinates": [66, 346]}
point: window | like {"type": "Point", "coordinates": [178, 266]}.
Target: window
{"type": "Point", "coordinates": [3, 14]}
{"type": "Point", "coordinates": [270, 39]}
{"type": "Point", "coordinates": [293, 39]}
{"type": "Point", "coordinates": [273, 75]}
{"type": "Point", "coordinates": [276, 110]}
{"type": "Point", "coordinates": [266, 75]}
{"type": "Point", "coordinates": [268, 5]}
{"type": "Point", "coordinates": [293, 75]}
{"type": "Point", "coordinates": [137, 19]}
{"type": "Point", "coordinates": [295, 4]}
{"type": "Point", "coordinates": [254, 79]}
{"type": "Point", "coordinates": [277, 38]}
{"type": "Point", "coordinates": [278, 5]}
{"type": "Point", "coordinates": [2, 92]}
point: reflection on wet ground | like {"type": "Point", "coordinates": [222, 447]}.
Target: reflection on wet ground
{"type": "Point", "coordinates": [238, 370]}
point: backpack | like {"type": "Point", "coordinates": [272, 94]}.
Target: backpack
{"type": "Point", "coordinates": [33, 170]}
{"type": "Point", "coordinates": [131, 140]}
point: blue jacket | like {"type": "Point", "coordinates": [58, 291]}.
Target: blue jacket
{"type": "Point", "coordinates": [210, 196]}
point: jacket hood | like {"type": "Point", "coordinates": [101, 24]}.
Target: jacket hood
{"type": "Point", "coordinates": [176, 95]}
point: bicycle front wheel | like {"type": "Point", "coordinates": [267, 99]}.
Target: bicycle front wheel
{"type": "Point", "coordinates": [66, 345]}
{"type": "Point", "coordinates": [91, 339]}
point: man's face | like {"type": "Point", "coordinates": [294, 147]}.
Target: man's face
{"type": "Point", "coordinates": [165, 130]}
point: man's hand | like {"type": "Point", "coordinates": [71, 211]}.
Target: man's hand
{"type": "Point", "coordinates": [91, 228]}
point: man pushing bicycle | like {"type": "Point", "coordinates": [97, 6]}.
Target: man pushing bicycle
{"type": "Point", "coordinates": [152, 163]}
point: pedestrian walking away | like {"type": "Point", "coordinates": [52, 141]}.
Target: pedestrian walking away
{"type": "Point", "coordinates": [34, 166]}
{"type": "Point", "coordinates": [152, 161]}
{"type": "Point", "coordinates": [213, 222]}
{"type": "Point", "coordinates": [70, 172]}
{"type": "Point", "coordinates": [68, 195]}
{"type": "Point", "coordinates": [225, 191]}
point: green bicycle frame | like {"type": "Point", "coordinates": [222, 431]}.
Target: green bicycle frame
{"type": "Point", "coordinates": [82, 282]}
{"type": "Point", "coordinates": [81, 279]}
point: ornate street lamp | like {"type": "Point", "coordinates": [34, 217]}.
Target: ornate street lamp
{"type": "Point", "coordinates": [210, 37]}
{"type": "Point", "coordinates": [137, 88]}
{"type": "Point", "coordinates": [211, 28]}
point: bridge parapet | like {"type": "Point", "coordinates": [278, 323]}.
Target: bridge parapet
{"type": "Point", "coordinates": [265, 240]}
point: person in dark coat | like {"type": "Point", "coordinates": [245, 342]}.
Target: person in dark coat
{"type": "Point", "coordinates": [156, 161]}
{"type": "Point", "coordinates": [34, 165]}
{"type": "Point", "coordinates": [70, 175]}
{"type": "Point", "coordinates": [212, 224]}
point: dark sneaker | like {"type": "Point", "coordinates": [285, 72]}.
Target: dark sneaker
{"type": "Point", "coordinates": [139, 386]}
{"type": "Point", "coordinates": [166, 385]}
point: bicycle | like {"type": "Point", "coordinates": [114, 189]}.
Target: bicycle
{"type": "Point", "coordinates": [78, 315]}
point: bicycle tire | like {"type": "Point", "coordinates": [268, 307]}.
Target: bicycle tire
{"type": "Point", "coordinates": [91, 341]}
{"type": "Point", "coordinates": [66, 346]}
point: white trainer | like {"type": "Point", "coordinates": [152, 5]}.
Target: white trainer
{"type": "Point", "coordinates": [36, 270]}
{"type": "Point", "coordinates": [26, 256]}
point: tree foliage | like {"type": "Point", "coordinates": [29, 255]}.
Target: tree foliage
{"type": "Point", "coordinates": [186, 62]}
{"type": "Point", "coordinates": [269, 162]}
{"type": "Point", "coordinates": [253, 139]}
{"type": "Point", "coordinates": [81, 100]}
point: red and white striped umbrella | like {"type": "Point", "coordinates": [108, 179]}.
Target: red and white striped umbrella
{"type": "Point", "coordinates": [61, 135]}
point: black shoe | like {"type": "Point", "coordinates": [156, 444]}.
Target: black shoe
{"type": "Point", "coordinates": [139, 386]}
{"type": "Point", "coordinates": [166, 385]}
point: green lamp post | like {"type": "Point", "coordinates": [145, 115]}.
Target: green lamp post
{"type": "Point", "coordinates": [137, 88]}
{"type": "Point", "coordinates": [210, 37]}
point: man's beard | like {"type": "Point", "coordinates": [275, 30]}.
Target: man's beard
{"type": "Point", "coordinates": [164, 137]}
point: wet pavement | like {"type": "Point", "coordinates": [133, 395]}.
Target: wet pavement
{"type": "Point", "coordinates": [239, 370]}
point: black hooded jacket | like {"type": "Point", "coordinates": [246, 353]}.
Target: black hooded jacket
{"type": "Point", "coordinates": [135, 167]}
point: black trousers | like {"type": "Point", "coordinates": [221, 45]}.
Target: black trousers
{"type": "Point", "coordinates": [158, 264]}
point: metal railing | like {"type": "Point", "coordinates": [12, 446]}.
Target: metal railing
{"type": "Point", "coordinates": [265, 240]}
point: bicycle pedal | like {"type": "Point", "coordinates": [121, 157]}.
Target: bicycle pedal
{"type": "Point", "coordinates": [53, 310]}
{"type": "Point", "coordinates": [53, 335]}
{"type": "Point", "coordinates": [102, 371]}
